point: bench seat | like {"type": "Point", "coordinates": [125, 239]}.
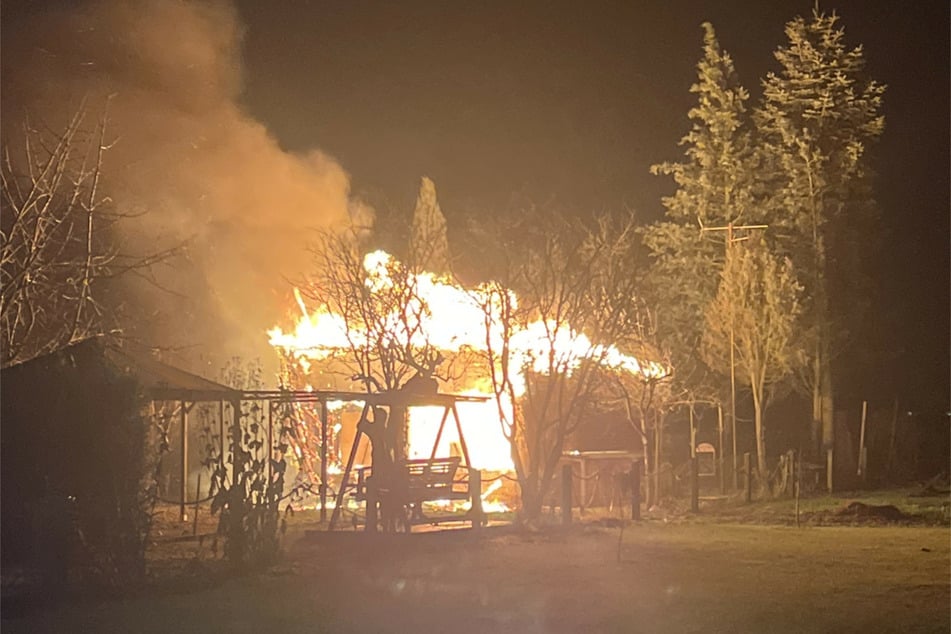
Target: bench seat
{"type": "Point", "coordinates": [426, 480]}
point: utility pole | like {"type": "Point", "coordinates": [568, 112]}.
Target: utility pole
{"type": "Point", "coordinates": [730, 240]}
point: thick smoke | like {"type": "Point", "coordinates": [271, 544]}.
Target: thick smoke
{"type": "Point", "coordinates": [188, 162]}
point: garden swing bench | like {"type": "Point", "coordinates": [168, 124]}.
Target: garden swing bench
{"type": "Point", "coordinates": [393, 490]}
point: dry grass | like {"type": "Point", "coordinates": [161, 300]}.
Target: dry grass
{"type": "Point", "coordinates": [671, 577]}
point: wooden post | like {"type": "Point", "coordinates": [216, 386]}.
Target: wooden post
{"type": "Point", "coordinates": [236, 461]}
{"type": "Point", "coordinates": [442, 426]}
{"type": "Point", "coordinates": [195, 514]}
{"type": "Point", "coordinates": [829, 469]}
{"type": "Point", "coordinates": [270, 455]}
{"type": "Point", "coordinates": [863, 460]}
{"type": "Point", "coordinates": [566, 494]}
{"type": "Point", "coordinates": [636, 468]}
{"type": "Point", "coordinates": [891, 442]}
{"type": "Point", "coordinates": [729, 229]}
{"type": "Point", "coordinates": [344, 480]}
{"type": "Point", "coordinates": [221, 439]}
{"type": "Point", "coordinates": [694, 485]}
{"type": "Point", "coordinates": [862, 468]}
{"type": "Point", "coordinates": [323, 461]}
{"type": "Point", "coordinates": [475, 495]}
{"type": "Point", "coordinates": [462, 437]}
{"type": "Point", "coordinates": [236, 496]}
{"type": "Point", "coordinates": [748, 475]}
{"type": "Point", "coordinates": [693, 435]}
{"type": "Point", "coordinates": [720, 450]}
{"type": "Point", "coordinates": [797, 481]}
{"type": "Point", "coordinates": [581, 487]}
{"type": "Point", "coordinates": [184, 446]}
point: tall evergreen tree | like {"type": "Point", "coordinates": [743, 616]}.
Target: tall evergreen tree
{"type": "Point", "coordinates": [817, 117]}
{"type": "Point", "coordinates": [428, 243]}
{"type": "Point", "coordinates": [714, 187]}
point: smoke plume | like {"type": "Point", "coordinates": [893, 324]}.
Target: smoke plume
{"type": "Point", "coordinates": [188, 163]}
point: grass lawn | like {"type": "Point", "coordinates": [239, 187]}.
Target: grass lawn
{"type": "Point", "coordinates": [671, 577]}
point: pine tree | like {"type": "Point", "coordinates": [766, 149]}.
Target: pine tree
{"type": "Point", "coordinates": [714, 187]}
{"type": "Point", "coordinates": [817, 117]}
{"type": "Point", "coordinates": [429, 244]}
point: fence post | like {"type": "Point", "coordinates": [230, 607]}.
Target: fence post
{"type": "Point", "coordinates": [237, 494]}
{"type": "Point", "coordinates": [748, 475]}
{"type": "Point", "coordinates": [694, 485]}
{"type": "Point", "coordinates": [797, 480]}
{"type": "Point", "coordinates": [183, 492]}
{"type": "Point", "coordinates": [829, 469]}
{"type": "Point", "coordinates": [475, 494]}
{"type": "Point", "coordinates": [323, 461]}
{"type": "Point", "coordinates": [636, 467]}
{"type": "Point", "coordinates": [566, 494]}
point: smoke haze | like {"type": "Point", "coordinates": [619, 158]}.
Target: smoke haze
{"type": "Point", "coordinates": [188, 162]}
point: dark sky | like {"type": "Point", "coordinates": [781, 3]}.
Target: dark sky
{"type": "Point", "coordinates": [575, 101]}
{"type": "Point", "coordinates": [565, 101]}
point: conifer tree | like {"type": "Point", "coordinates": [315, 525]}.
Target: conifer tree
{"type": "Point", "coordinates": [428, 243]}
{"type": "Point", "coordinates": [818, 115]}
{"type": "Point", "coordinates": [714, 187]}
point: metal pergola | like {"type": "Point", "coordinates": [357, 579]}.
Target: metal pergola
{"type": "Point", "coordinates": [167, 383]}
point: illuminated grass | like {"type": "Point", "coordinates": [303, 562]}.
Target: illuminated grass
{"type": "Point", "coordinates": [670, 578]}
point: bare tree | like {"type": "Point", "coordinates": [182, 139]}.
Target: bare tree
{"type": "Point", "coordinates": [550, 351]}
{"type": "Point", "coordinates": [760, 294]}
{"type": "Point", "coordinates": [55, 246]}
{"type": "Point", "coordinates": [378, 311]}
{"type": "Point", "coordinates": [59, 239]}
{"type": "Point", "coordinates": [645, 396]}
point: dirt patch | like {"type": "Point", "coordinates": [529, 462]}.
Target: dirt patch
{"type": "Point", "coordinates": [874, 512]}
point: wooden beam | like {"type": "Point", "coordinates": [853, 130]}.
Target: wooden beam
{"type": "Point", "coordinates": [442, 425]}
{"type": "Point", "coordinates": [462, 438]}
{"type": "Point", "coordinates": [323, 462]}
{"type": "Point", "coordinates": [184, 447]}
{"type": "Point", "coordinates": [346, 472]}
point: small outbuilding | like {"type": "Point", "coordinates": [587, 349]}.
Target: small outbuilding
{"type": "Point", "coordinates": [75, 448]}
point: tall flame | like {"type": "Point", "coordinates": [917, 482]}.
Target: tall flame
{"type": "Point", "coordinates": [455, 319]}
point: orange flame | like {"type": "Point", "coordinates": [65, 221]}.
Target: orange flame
{"type": "Point", "coordinates": [455, 319]}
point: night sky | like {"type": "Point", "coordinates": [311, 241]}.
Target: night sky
{"type": "Point", "coordinates": [574, 101]}
{"type": "Point", "coordinates": [564, 102]}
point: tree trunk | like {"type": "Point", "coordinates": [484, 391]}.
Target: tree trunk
{"type": "Point", "coordinates": [531, 506]}
{"type": "Point", "coordinates": [757, 390]}
{"type": "Point", "coordinates": [646, 450]}
{"type": "Point", "coordinates": [824, 347]}
{"type": "Point", "coordinates": [827, 399]}
{"type": "Point", "coordinates": [823, 404]}
{"type": "Point", "coordinates": [649, 465]}
{"type": "Point", "coordinates": [816, 427]}
{"type": "Point", "coordinates": [531, 502]}
{"type": "Point", "coordinates": [658, 443]}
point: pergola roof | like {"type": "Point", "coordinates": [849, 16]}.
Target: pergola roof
{"type": "Point", "coordinates": [161, 381]}
{"type": "Point", "coordinates": [396, 397]}
{"type": "Point", "coordinates": [164, 382]}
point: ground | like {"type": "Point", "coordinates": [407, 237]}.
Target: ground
{"type": "Point", "coordinates": [682, 574]}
